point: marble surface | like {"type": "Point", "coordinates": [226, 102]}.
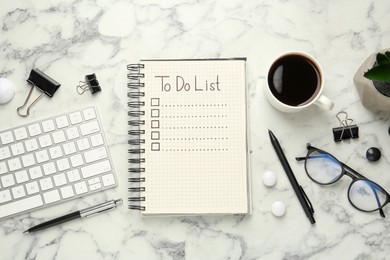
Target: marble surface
{"type": "Point", "coordinates": [69, 39]}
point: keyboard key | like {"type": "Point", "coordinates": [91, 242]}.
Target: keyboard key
{"type": "Point", "coordinates": [5, 195]}
{"type": "Point", "coordinates": [3, 168]}
{"type": "Point", "coordinates": [20, 205]}
{"type": "Point", "coordinates": [20, 133]}
{"type": "Point", "coordinates": [14, 164]}
{"type": "Point", "coordinates": [28, 160]}
{"type": "Point", "coordinates": [89, 128]}
{"type": "Point", "coordinates": [83, 144]}
{"type": "Point", "coordinates": [72, 133]}
{"type": "Point", "coordinates": [55, 152]}
{"type": "Point", "coordinates": [59, 179]}
{"type": "Point", "coordinates": [6, 137]}
{"type": "Point", "coordinates": [69, 148]}
{"type": "Point", "coordinates": [5, 153]}
{"type": "Point", "coordinates": [108, 179]}
{"type": "Point", "coordinates": [96, 140]}
{"type": "Point", "coordinates": [7, 180]}
{"type": "Point", "coordinates": [32, 187]}
{"type": "Point", "coordinates": [45, 141]}
{"type": "Point", "coordinates": [63, 164]}
{"type": "Point", "coordinates": [95, 186]}
{"type": "Point", "coordinates": [73, 175]}
{"type": "Point", "coordinates": [42, 156]}
{"type": "Point", "coordinates": [51, 196]}
{"type": "Point", "coordinates": [96, 169]}
{"type": "Point", "coordinates": [31, 145]}
{"type": "Point", "coordinates": [49, 168]}
{"type": "Point", "coordinates": [34, 129]}
{"type": "Point", "coordinates": [76, 160]}
{"type": "Point", "coordinates": [89, 113]}
{"type": "Point", "coordinates": [21, 176]}
{"type": "Point", "coordinates": [67, 192]}
{"type": "Point", "coordinates": [58, 137]}
{"type": "Point", "coordinates": [48, 126]}
{"type": "Point", "coordinates": [17, 149]}
{"type": "Point", "coordinates": [80, 187]}
{"type": "Point", "coordinates": [62, 121]}
{"type": "Point", "coordinates": [93, 181]}
{"type": "Point", "coordinates": [35, 172]}
{"type": "Point", "coordinates": [18, 192]}
{"type": "Point", "coordinates": [75, 118]}
{"type": "Point", "coordinates": [46, 183]}
{"type": "Point", "coordinates": [95, 154]}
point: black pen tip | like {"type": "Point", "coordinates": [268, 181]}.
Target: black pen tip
{"type": "Point", "coordinates": [25, 232]}
{"type": "Point", "coordinates": [271, 134]}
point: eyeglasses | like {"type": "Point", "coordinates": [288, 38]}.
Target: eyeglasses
{"type": "Point", "coordinates": [364, 194]}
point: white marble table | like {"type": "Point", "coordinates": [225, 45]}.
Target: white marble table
{"type": "Point", "coordinates": [68, 40]}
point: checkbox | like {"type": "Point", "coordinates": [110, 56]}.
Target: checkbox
{"type": "Point", "coordinates": [155, 146]}
{"type": "Point", "coordinates": [155, 124]}
{"type": "Point", "coordinates": [154, 102]}
{"type": "Point", "coordinates": [155, 112]}
{"type": "Point", "coordinates": [155, 135]}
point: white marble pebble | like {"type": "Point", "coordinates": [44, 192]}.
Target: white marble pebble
{"type": "Point", "coordinates": [269, 178]}
{"type": "Point", "coordinates": [278, 208]}
{"type": "Point", "coordinates": [7, 90]}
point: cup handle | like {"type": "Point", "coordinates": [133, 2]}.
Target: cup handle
{"type": "Point", "coordinates": [324, 103]}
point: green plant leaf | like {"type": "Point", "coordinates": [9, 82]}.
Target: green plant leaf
{"type": "Point", "coordinates": [382, 59]}
{"type": "Point", "coordinates": [381, 73]}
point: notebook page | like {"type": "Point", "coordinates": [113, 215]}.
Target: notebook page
{"type": "Point", "coordinates": [195, 147]}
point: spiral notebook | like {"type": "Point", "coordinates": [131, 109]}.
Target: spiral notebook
{"type": "Point", "coordinates": [188, 137]}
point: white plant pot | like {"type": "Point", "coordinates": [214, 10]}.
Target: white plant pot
{"type": "Point", "coordinates": [370, 97]}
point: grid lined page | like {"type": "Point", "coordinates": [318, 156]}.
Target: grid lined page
{"type": "Point", "coordinates": [195, 147]}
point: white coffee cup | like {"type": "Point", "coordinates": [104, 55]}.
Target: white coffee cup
{"type": "Point", "coordinates": [295, 81]}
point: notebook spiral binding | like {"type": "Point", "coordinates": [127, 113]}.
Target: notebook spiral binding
{"type": "Point", "coordinates": [135, 123]}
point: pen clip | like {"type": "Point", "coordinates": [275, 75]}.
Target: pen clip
{"type": "Point", "coordinates": [307, 199]}
{"type": "Point", "coordinates": [106, 206]}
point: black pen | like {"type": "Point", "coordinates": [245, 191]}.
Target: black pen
{"type": "Point", "coordinates": [302, 197]}
{"type": "Point", "coordinates": [108, 205]}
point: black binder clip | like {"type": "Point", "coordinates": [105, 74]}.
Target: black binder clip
{"type": "Point", "coordinates": [90, 83]}
{"type": "Point", "coordinates": [43, 82]}
{"type": "Point", "coordinates": [346, 130]}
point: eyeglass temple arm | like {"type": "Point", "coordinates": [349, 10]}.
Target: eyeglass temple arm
{"type": "Point", "coordinates": [381, 213]}
{"type": "Point", "coordinates": [309, 147]}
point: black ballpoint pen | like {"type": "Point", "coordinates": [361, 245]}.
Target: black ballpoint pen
{"type": "Point", "coordinates": [103, 207]}
{"type": "Point", "coordinates": [303, 199]}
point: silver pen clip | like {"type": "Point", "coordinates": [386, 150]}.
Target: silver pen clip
{"type": "Point", "coordinates": [106, 206]}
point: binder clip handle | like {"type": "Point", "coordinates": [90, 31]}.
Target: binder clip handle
{"type": "Point", "coordinates": [346, 130]}
{"type": "Point", "coordinates": [91, 83]}
{"type": "Point", "coordinates": [44, 83]}
{"type": "Point", "coordinates": [19, 109]}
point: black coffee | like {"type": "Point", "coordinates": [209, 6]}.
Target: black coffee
{"type": "Point", "coordinates": [294, 80]}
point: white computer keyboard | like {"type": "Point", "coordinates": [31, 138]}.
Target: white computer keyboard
{"type": "Point", "coordinates": [53, 160]}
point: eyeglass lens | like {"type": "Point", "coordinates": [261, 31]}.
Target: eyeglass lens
{"type": "Point", "coordinates": [366, 195]}
{"type": "Point", "coordinates": [323, 168]}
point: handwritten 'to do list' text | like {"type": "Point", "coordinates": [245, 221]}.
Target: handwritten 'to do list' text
{"type": "Point", "coordinates": [181, 84]}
